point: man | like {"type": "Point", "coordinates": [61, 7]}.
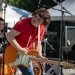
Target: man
{"type": "Point", "coordinates": [1, 33]}
{"type": "Point", "coordinates": [25, 34]}
{"type": "Point", "coordinates": [2, 43]}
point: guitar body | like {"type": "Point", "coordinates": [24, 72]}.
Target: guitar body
{"type": "Point", "coordinates": [10, 58]}
{"type": "Point", "coordinates": [10, 54]}
{"type": "Point", "coordinates": [13, 58]}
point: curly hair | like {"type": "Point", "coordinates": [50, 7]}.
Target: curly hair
{"type": "Point", "coordinates": [1, 19]}
{"type": "Point", "coordinates": [44, 14]}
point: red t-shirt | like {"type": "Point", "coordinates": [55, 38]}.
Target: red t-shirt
{"type": "Point", "coordinates": [29, 33]}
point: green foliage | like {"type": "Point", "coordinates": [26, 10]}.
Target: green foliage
{"type": "Point", "coordinates": [30, 5]}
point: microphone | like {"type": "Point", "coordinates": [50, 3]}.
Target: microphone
{"type": "Point", "coordinates": [56, 1]}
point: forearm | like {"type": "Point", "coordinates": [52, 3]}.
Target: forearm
{"type": "Point", "coordinates": [13, 41]}
{"type": "Point", "coordinates": [39, 48]}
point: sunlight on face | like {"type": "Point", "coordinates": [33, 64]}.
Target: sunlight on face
{"type": "Point", "coordinates": [36, 20]}
{"type": "Point", "coordinates": [1, 25]}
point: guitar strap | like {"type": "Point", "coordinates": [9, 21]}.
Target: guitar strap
{"type": "Point", "coordinates": [39, 42]}
{"type": "Point", "coordinates": [39, 48]}
{"type": "Point", "coordinates": [28, 41]}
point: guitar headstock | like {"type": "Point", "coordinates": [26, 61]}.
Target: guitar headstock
{"type": "Point", "coordinates": [67, 65]}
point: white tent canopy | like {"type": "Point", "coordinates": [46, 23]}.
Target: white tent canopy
{"type": "Point", "coordinates": [69, 5]}
{"type": "Point", "coordinates": [13, 14]}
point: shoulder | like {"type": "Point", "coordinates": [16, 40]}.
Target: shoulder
{"type": "Point", "coordinates": [23, 22]}
{"type": "Point", "coordinates": [26, 19]}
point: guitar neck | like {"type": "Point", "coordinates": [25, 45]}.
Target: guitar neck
{"type": "Point", "coordinates": [45, 60]}
{"type": "Point", "coordinates": [53, 62]}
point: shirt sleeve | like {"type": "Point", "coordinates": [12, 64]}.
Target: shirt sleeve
{"type": "Point", "coordinates": [19, 26]}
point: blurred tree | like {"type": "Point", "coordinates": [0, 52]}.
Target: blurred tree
{"type": "Point", "coordinates": [32, 5]}
{"type": "Point", "coordinates": [29, 5]}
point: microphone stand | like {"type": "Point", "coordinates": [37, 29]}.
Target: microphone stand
{"type": "Point", "coordinates": [61, 39]}
{"type": "Point", "coordinates": [49, 44]}
{"type": "Point", "coordinates": [67, 11]}
{"type": "Point", "coordinates": [62, 26]}
{"type": "Point", "coordinates": [45, 43]}
{"type": "Point", "coordinates": [4, 30]}
{"type": "Point", "coordinates": [62, 33]}
{"type": "Point", "coordinates": [44, 53]}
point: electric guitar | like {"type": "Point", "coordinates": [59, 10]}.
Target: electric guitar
{"type": "Point", "coordinates": [13, 57]}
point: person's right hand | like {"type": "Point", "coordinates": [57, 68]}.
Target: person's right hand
{"type": "Point", "coordinates": [23, 50]}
